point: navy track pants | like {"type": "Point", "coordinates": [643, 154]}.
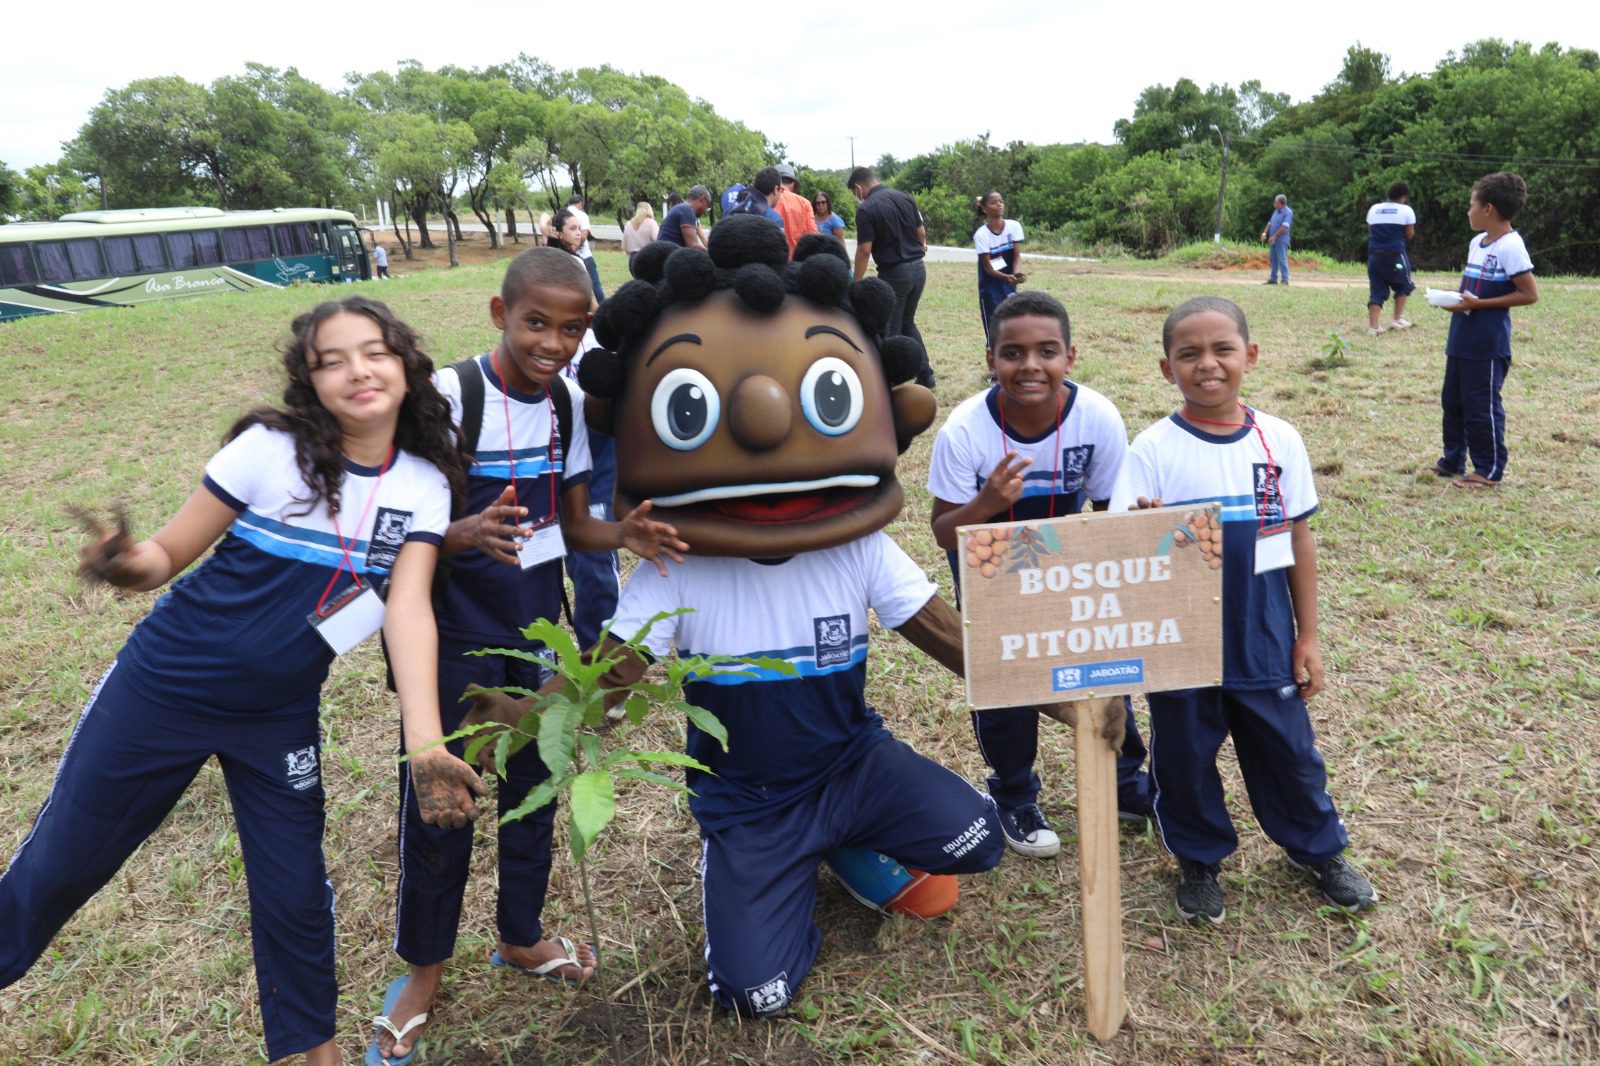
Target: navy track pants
{"type": "Point", "coordinates": [1283, 773]}
{"type": "Point", "coordinates": [760, 878]}
{"type": "Point", "coordinates": [434, 860]}
{"type": "Point", "coordinates": [128, 762]}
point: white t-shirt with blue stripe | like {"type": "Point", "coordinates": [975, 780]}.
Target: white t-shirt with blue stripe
{"type": "Point", "coordinates": [786, 734]}
{"type": "Point", "coordinates": [234, 634]}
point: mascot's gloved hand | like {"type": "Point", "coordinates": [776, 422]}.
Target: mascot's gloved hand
{"type": "Point", "coordinates": [1107, 716]}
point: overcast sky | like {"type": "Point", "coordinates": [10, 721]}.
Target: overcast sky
{"type": "Point", "coordinates": [899, 78]}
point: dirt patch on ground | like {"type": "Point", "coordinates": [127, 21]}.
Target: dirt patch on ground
{"type": "Point", "coordinates": [473, 249]}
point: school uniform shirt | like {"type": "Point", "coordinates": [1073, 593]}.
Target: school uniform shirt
{"type": "Point", "coordinates": [1180, 465]}
{"type": "Point", "coordinates": [233, 634]}
{"type": "Point", "coordinates": [1003, 245]}
{"type": "Point", "coordinates": [787, 735]}
{"type": "Point", "coordinates": [488, 601]}
{"type": "Point", "coordinates": [1386, 227]}
{"type": "Point", "coordinates": [1485, 333]}
{"type": "Point", "coordinates": [1073, 462]}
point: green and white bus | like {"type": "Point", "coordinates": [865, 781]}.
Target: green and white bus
{"type": "Point", "coordinates": [116, 258]}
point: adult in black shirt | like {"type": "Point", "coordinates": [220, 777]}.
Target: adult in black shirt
{"type": "Point", "coordinates": [889, 229]}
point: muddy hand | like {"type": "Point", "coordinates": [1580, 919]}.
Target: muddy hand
{"type": "Point", "coordinates": [446, 789]}
{"type": "Point", "coordinates": [104, 558]}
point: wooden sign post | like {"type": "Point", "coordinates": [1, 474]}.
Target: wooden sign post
{"type": "Point", "coordinates": [1089, 609]}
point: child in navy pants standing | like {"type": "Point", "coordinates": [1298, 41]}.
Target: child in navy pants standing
{"type": "Point", "coordinates": [1215, 448]}
{"type": "Point", "coordinates": [347, 488]}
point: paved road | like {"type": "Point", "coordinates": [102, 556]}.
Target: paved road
{"type": "Point", "coordinates": [936, 252]}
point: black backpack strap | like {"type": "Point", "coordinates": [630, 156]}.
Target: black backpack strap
{"type": "Point", "coordinates": [470, 374]}
{"type": "Point", "coordinates": [562, 400]}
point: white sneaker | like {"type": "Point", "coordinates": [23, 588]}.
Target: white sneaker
{"type": "Point", "coordinates": [1374, 331]}
{"type": "Point", "coordinates": [1400, 323]}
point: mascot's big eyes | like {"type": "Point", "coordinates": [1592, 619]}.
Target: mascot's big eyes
{"type": "Point", "coordinates": [831, 396]}
{"type": "Point", "coordinates": [685, 409]}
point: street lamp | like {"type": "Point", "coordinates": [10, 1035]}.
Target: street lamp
{"type": "Point", "coordinates": [1216, 236]}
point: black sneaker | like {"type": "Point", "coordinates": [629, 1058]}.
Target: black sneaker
{"type": "Point", "coordinates": [1342, 884]}
{"type": "Point", "coordinates": [1133, 805]}
{"type": "Point", "coordinates": [1028, 832]}
{"type": "Point", "coordinates": [1199, 891]}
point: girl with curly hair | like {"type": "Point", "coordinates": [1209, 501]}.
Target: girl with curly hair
{"type": "Point", "coordinates": [344, 491]}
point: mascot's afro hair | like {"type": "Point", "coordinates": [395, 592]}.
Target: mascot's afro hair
{"type": "Point", "coordinates": [749, 256]}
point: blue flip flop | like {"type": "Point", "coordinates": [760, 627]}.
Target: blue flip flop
{"type": "Point", "coordinates": [546, 969]}
{"type": "Point", "coordinates": [390, 997]}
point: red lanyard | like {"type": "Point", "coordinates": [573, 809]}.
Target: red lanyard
{"type": "Point", "coordinates": [1270, 483]}
{"type": "Point", "coordinates": [1055, 471]}
{"type": "Point", "coordinates": [361, 524]}
{"type": "Point", "coordinates": [511, 452]}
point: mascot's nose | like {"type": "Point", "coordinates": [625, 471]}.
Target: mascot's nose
{"type": "Point", "coordinates": [762, 413]}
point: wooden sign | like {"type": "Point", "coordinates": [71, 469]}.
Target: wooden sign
{"type": "Point", "coordinates": [1092, 605]}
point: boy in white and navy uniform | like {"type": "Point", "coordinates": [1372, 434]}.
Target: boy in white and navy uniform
{"type": "Point", "coordinates": [1092, 440]}
{"type": "Point", "coordinates": [486, 603]}
{"type": "Point", "coordinates": [1259, 702]}
{"type": "Point", "coordinates": [1389, 227]}
{"type": "Point", "coordinates": [596, 576]}
{"type": "Point", "coordinates": [181, 691]}
{"type": "Point", "coordinates": [809, 766]}
{"type": "Point", "coordinates": [1478, 350]}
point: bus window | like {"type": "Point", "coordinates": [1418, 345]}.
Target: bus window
{"type": "Point", "coordinates": [294, 239]}
{"type": "Point", "coordinates": [53, 263]}
{"type": "Point", "coordinates": [180, 250]}
{"type": "Point", "coordinates": [147, 253]}
{"type": "Point", "coordinates": [207, 247]}
{"type": "Point", "coordinates": [85, 257]}
{"type": "Point", "coordinates": [16, 265]}
{"type": "Point", "coordinates": [119, 254]}
{"type": "Point", "coordinates": [246, 245]}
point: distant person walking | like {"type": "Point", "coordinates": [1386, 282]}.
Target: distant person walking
{"type": "Point", "coordinates": [380, 260]}
{"type": "Point", "coordinates": [586, 253]}
{"type": "Point", "coordinates": [889, 229]}
{"type": "Point", "coordinates": [1277, 237]}
{"type": "Point", "coordinates": [639, 230]}
{"type": "Point", "coordinates": [682, 224]}
{"type": "Point", "coordinates": [1390, 226]}
{"type": "Point", "coordinates": [999, 244]}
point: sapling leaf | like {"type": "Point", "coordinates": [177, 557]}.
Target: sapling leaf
{"type": "Point", "coordinates": [705, 721]}
{"type": "Point", "coordinates": [476, 746]}
{"type": "Point", "coordinates": [653, 778]}
{"type": "Point", "coordinates": [542, 793]}
{"type": "Point", "coordinates": [636, 706]}
{"type": "Point", "coordinates": [594, 804]}
{"type": "Point", "coordinates": [502, 753]}
{"type": "Point", "coordinates": [592, 755]}
{"type": "Point", "coordinates": [517, 653]}
{"type": "Point", "coordinates": [668, 758]}
{"type": "Point", "coordinates": [556, 736]}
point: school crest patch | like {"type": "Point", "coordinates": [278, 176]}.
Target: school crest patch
{"type": "Point", "coordinates": [832, 644]}
{"type": "Point", "coordinates": [771, 996]}
{"type": "Point", "coordinates": [301, 768]}
{"type": "Point", "coordinates": [389, 531]}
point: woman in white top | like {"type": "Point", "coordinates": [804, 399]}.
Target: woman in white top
{"type": "Point", "coordinates": [639, 231]}
{"type": "Point", "coordinates": [999, 244]}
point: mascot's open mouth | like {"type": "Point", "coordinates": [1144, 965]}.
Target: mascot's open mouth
{"type": "Point", "coordinates": [780, 503]}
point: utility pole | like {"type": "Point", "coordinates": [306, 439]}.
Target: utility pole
{"type": "Point", "coordinates": [1216, 237]}
{"type": "Point", "coordinates": [852, 153]}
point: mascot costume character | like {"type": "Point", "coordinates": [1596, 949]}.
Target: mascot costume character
{"type": "Point", "coordinates": [756, 402]}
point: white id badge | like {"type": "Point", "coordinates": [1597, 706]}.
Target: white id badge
{"type": "Point", "coordinates": [1274, 549]}
{"type": "Point", "coordinates": [545, 545]}
{"type": "Point", "coordinates": [349, 620]}
{"type": "Point", "coordinates": [999, 264]}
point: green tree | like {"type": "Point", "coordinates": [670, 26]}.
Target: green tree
{"type": "Point", "coordinates": [1167, 118]}
{"type": "Point", "coordinates": [151, 144]}
{"type": "Point", "coordinates": [10, 193]}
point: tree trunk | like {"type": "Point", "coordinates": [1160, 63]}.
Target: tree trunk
{"type": "Point", "coordinates": [420, 216]}
{"type": "Point", "coordinates": [453, 220]}
{"type": "Point", "coordinates": [488, 223]}
{"type": "Point", "coordinates": [511, 225]}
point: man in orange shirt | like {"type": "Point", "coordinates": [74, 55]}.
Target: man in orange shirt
{"type": "Point", "coordinates": [798, 218]}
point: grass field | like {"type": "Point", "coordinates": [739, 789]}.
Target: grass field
{"type": "Point", "coordinates": [1461, 731]}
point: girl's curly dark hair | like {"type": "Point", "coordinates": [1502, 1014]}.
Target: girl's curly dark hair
{"type": "Point", "coordinates": [748, 255]}
{"type": "Point", "coordinates": [425, 428]}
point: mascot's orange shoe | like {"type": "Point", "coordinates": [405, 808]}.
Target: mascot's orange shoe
{"type": "Point", "coordinates": [879, 882]}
